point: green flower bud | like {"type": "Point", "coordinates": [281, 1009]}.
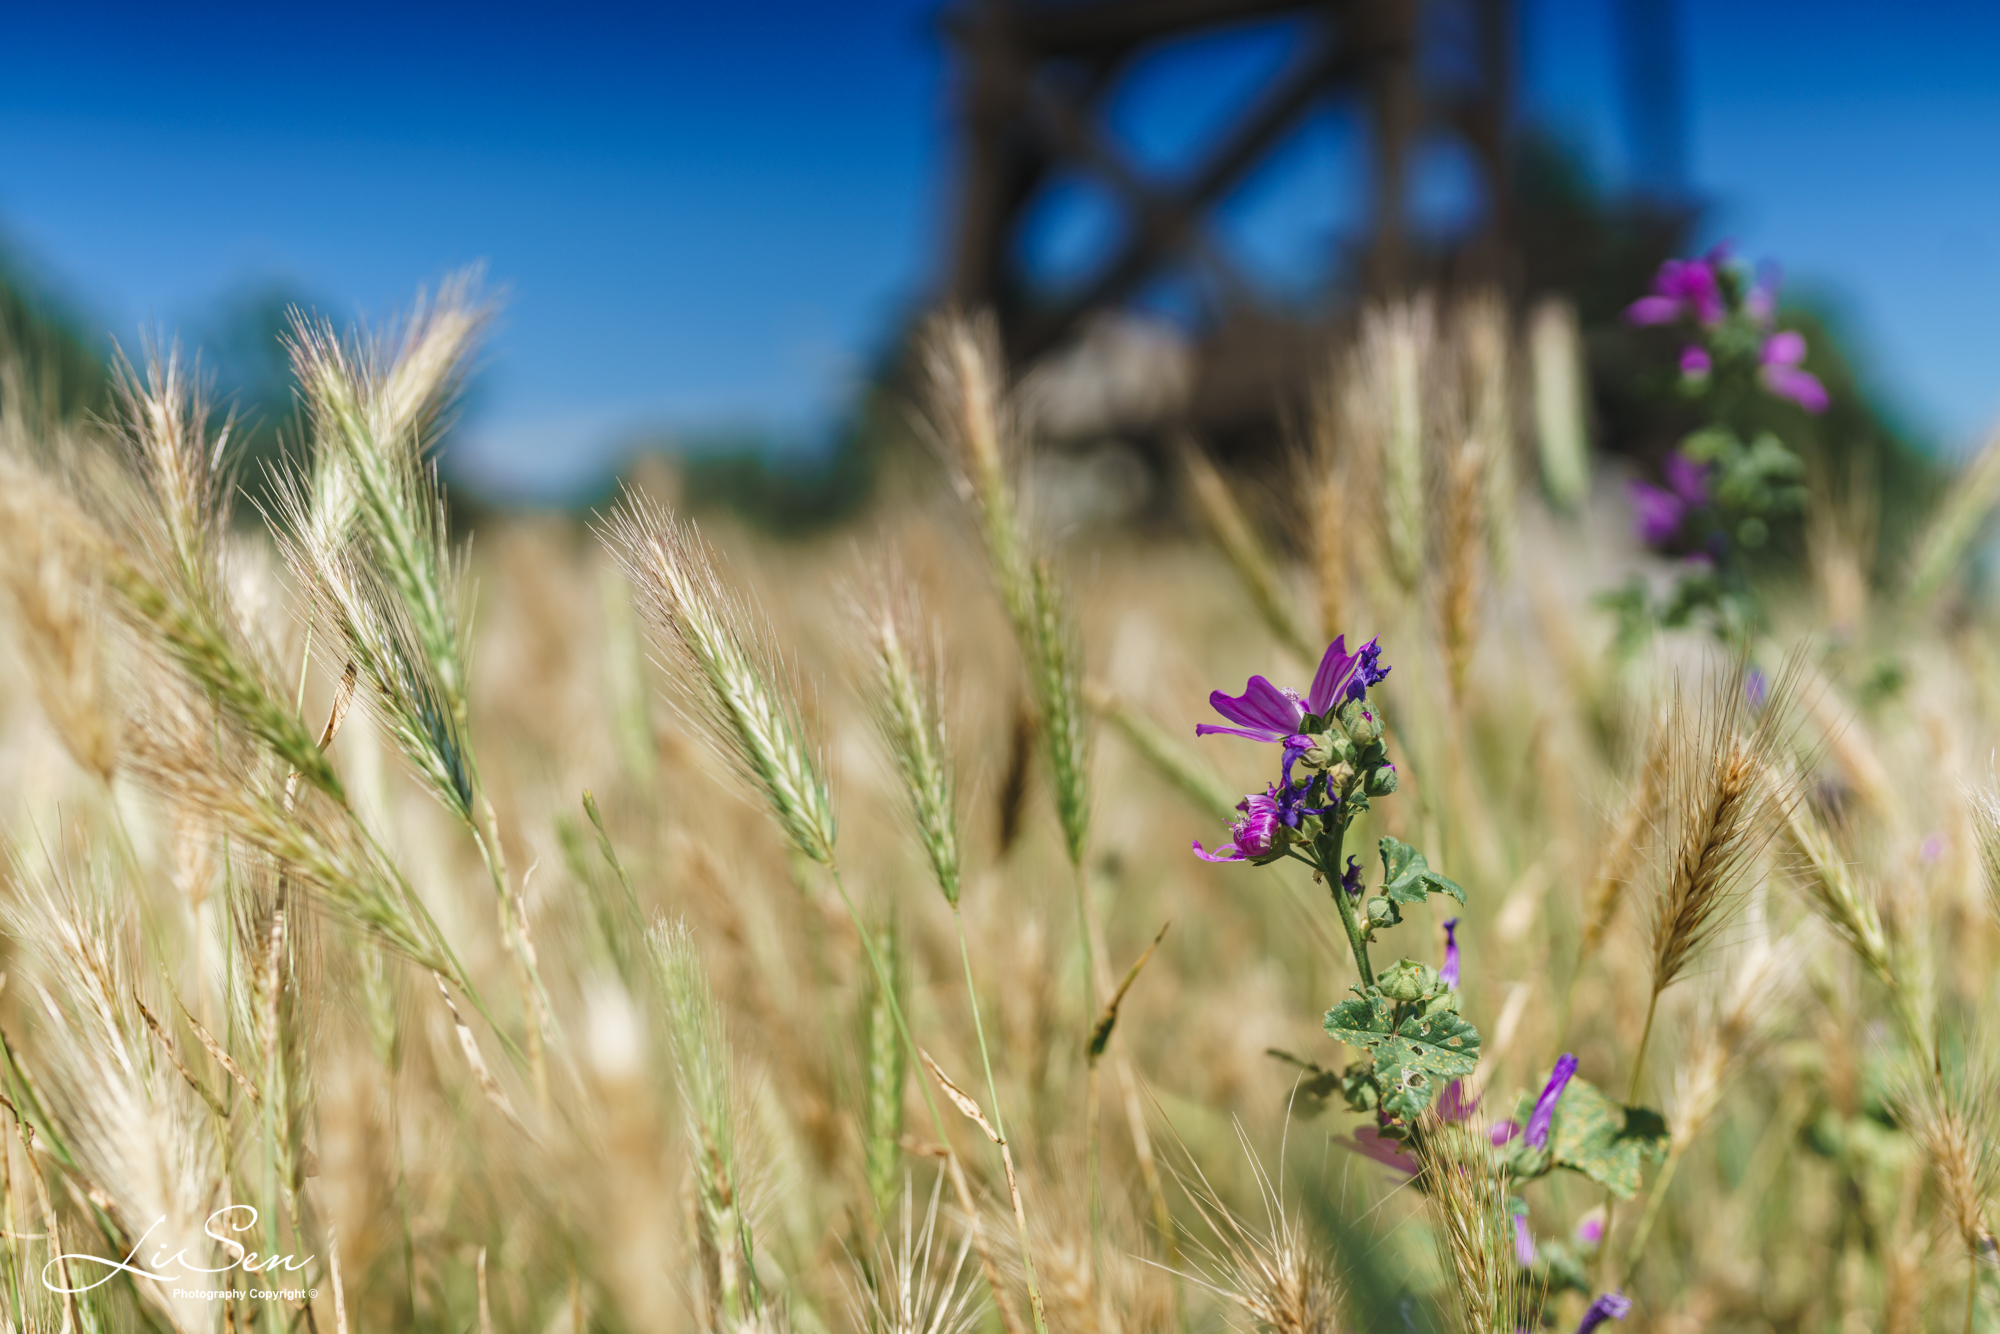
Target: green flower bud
{"type": "Point", "coordinates": [1381, 781]}
{"type": "Point", "coordinates": [1360, 721]}
{"type": "Point", "coordinates": [1339, 775]}
{"type": "Point", "coordinates": [1407, 980]}
{"type": "Point", "coordinates": [1329, 747]}
{"type": "Point", "coordinates": [1445, 1001]}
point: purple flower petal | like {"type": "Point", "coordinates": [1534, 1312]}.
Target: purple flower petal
{"type": "Point", "coordinates": [1545, 1106]}
{"type": "Point", "coordinates": [1368, 671]}
{"type": "Point", "coordinates": [1503, 1132]}
{"type": "Point", "coordinates": [1703, 293]}
{"type": "Point", "coordinates": [1610, 1306]}
{"type": "Point", "coordinates": [1335, 666]}
{"type": "Point", "coordinates": [1590, 1229]}
{"type": "Point", "coordinates": [1262, 707]}
{"type": "Point", "coordinates": [1371, 1143]}
{"type": "Point", "coordinates": [1688, 479]}
{"type": "Point", "coordinates": [1449, 973]}
{"type": "Point", "coordinates": [1259, 825]}
{"type": "Point", "coordinates": [1786, 348]}
{"type": "Point", "coordinates": [1453, 1105]}
{"type": "Point", "coordinates": [1524, 1242]}
{"type": "Point", "coordinates": [1659, 513]}
{"type": "Point", "coordinates": [1226, 853]}
{"type": "Point", "coordinates": [1253, 734]}
{"type": "Point", "coordinates": [1695, 362]}
{"type": "Point", "coordinates": [1801, 387]}
{"type": "Point", "coordinates": [1653, 310]}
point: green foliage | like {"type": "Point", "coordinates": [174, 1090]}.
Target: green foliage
{"type": "Point", "coordinates": [1609, 1143]}
{"type": "Point", "coordinates": [1408, 878]}
{"type": "Point", "coordinates": [1414, 1053]}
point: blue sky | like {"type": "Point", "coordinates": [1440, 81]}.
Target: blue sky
{"type": "Point", "coordinates": [714, 215]}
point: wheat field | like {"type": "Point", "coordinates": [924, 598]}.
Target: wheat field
{"type": "Point", "coordinates": [643, 924]}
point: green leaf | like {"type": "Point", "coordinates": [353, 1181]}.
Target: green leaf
{"type": "Point", "coordinates": [1408, 878]}
{"type": "Point", "coordinates": [1609, 1143]}
{"type": "Point", "coordinates": [1442, 1046]}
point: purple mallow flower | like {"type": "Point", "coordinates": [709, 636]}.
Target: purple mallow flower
{"type": "Point", "coordinates": [1545, 1106]}
{"type": "Point", "coordinates": [1452, 1105]}
{"type": "Point", "coordinates": [1610, 1306]}
{"type": "Point", "coordinates": [1372, 1143]}
{"type": "Point", "coordinates": [1695, 362]}
{"type": "Point", "coordinates": [1682, 287]}
{"type": "Point", "coordinates": [1590, 1229]}
{"type": "Point", "coordinates": [1524, 1242]}
{"type": "Point", "coordinates": [1449, 973]}
{"type": "Point", "coordinates": [1256, 834]}
{"type": "Point", "coordinates": [1778, 368]}
{"type": "Point", "coordinates": [1253, 834]}
{"type": "Point", "coordinates": [1662, 510]}
{"type": "Point", "coordinates": [1265, 712]}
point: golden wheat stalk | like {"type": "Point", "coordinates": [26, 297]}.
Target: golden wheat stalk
{"type": "Point", "coordinates": [724, 671]}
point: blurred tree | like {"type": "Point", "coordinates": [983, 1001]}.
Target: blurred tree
{"type": "Point", "coordinates": [242, 345]}
{"type": "Point", "coordinates": [43, 347]}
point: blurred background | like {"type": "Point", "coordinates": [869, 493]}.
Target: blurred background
{"type": "Point", "coordinates": [715, 225]}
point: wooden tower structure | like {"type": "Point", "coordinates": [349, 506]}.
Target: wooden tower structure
{"type": "Point", "coordinates": [1034, 81]}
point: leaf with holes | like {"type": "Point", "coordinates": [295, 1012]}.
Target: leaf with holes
{"type": "Point", "coordinates": [1408, 878]}
{"type": "Point", "coordinates": [1609, 1143]}
{"type": "Point", "coordinates": [1442, 1046]}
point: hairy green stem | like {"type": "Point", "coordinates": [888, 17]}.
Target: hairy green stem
{"type": "Point", "coordinates": [1655, 1199]}
{"type": "Point", "coordinates": [1329, 850]}
{"type": "Point", "coordinates": [1607, 1266]}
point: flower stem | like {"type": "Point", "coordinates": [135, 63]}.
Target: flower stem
{"type": "Point", "coordinates": [1654, 1200]}
{"type": "Point", "coordinates": [1606, 1267]}
{"type": "Point", "coordinates": [1357, 939]}
{"type": "Point", "coordinates": [1639, 1059]}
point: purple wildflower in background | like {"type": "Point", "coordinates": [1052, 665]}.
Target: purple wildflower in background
{"type": "Point", "coordinates": [1449, 973]}
{"type": "Point", "coordinates": [1265, 712]}
{"type": "Point", "coordinates": [1662, 510]}
{"type": "Point", "coordinates": [1524, 1242]}
{"type": "Point", "coordinates": [1610, 1306]}
{"type": "Point", "coordinates": [1756, 689]}
{"type": "Point", "coordinates": [1695, 362]}
{"type": "Point", "coordinates": [1590, 1229]}
{"type": "Point", "coordinates": [1545, 1106]}
{"type": "Point", "coordinates": [1454, 1105]}
{"type": "Point", "coordinates": [1372, 1143]}
{"type": "Point", "coordinates": [1253, 834]}
{"type": "Point", "coordinates": [1682, 287]}
{"type": "Point", "coordinates": [1778, 368]}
